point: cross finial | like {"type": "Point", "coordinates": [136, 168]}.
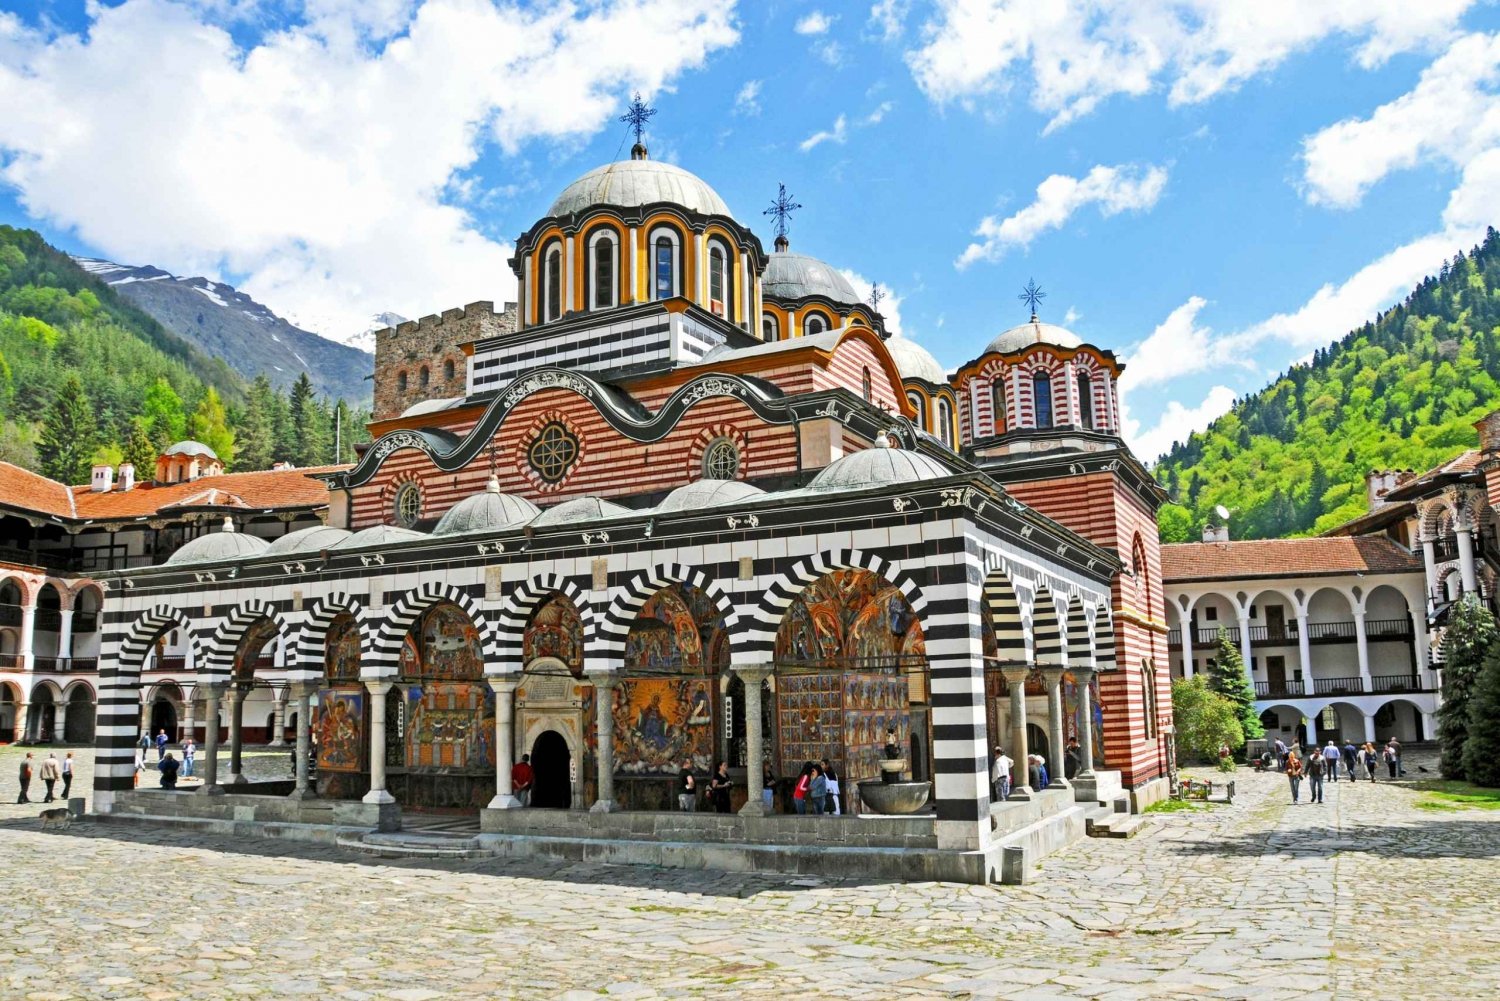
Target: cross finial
{"type": "Point", "coordinates": [782, 209]}
{"type": "Point", "coordinates": [637, 115]}
{"type": "Point", "coordinates": [876, 295]}
{"type": "Point", "coordinates": [1032, 295]}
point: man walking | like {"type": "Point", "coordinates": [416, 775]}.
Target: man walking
{"type": "Point", "coordinates": [161, 745]}
{"type": "Point", "coordinates": [50, 774]}
{"type": "Point", "coordinates": [189, 749]}
{"type": "Point", "coordinates": [1000, 775]}
{"type": "Point", "coordinates": [1331, 757]}
{"type": "Point", "coordinates": [1396, 746]}
{"type": "Point", "coordinates": [67, 772]}
{"type": "Point", "coordinates": [1317, 768]}
{"type": "Point", "coordinates": [1280, 755]}
{"type": "Point", "coordinates": [1294, 777]}
{"type": "Point", "coordinates": [1351, 759]}
{"type": "Point", "coordinates": [25, 778]}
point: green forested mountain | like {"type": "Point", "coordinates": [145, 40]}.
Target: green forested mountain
{"type": "Point", "coordinates": [86, 376]}
{"type": "Point", "coordinates": [1401, 392]}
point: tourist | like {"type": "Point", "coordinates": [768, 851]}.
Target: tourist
{"type": "Point", "coordinates": [522, 778]}
{"type": "Point", "coordinates": [718, 788]}
{"type": "Point", "coordinates": [1073, 757]}
{"type": "Point", "coordinates": [817, 791]}
{"type": "Point", "coordinates": [1000, 775]}
{"type": "Point", "coordinates": [768, 785]}
{"type": "Point", "coordinates": [687, 787]}
{"type": "Point", "coordinates": [189, 752]}
{"type": "Point", "coordinates": [168, 768]}
{"type": "Point", "coordinates": [1294, 776]}
{"type": "Point", "coordinates": [1280, 755]}
{"type": "Point", "coordinates": [67, 772]}
{"type": "Point", "coordinates": [1039, 771]}
{"type": "Point", "coordinates": [161, 744]}
{"type": "Point", "coordinates": [51, 772]}
{"type": "Point", "coordinates": [140, 750]}
{"type": "Point", "coordinates": [1317, 768]}
{"type": "Point", "coordinates": [1369, 758]}
{"type": "Point", "coordinates": [1331, 758]}
{"type": "Point", "coordinates": [1296, 751]}
{"type": "Point", "coordinates": [833, 787]}
{"type": "Point", "coordinates": [1351, 760]}
{"type": "Point", "coordinates": [25, 778]}
{"type": "Point", "coordinates": [799, 792]}
{"type": "Point", "coordinates": [1396, 746]}
{"type": "Point", "coordinates": [1390, 758]}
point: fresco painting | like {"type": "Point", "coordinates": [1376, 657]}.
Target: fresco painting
{"type": "Point", "coordinates": [847, 618]}
{"type": "Point", "coordinates": [446, 646]}
{"type": "Point", "coordinates": [674, 628]}
{"type": "Point", "coordinates": [1073, 710]}
{"type": "Point", "coordinates": [261, 633]}
{"type": "Point", "coordinates": [843, 717]}
{"type": "Point", "coordinates": [660, 721]}
{"type": "Point", "coordinates": [555, 631]}
{"type": "Point", "coordinates": [341, 651]}
{"type": "Point", "coordinates": [339, 728]}
{"type": "Point", "coordinates": [449, 726]}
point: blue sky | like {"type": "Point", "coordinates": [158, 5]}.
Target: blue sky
{"type": "Point", "coordinates": [1211, 189]}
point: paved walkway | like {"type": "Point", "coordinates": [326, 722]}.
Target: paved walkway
{"type": "Point", "coordinates": [1363, 897]}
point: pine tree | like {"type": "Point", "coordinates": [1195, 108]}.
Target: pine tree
{"type": "Point", "coordinates": [140, 451]}
{"type": "Point", "coordinates": [69, 436]}
{"type": "Point", "coordinates": [1467, 640]}
{"type": "Point", "coordinates": [1482, 748]}
{"type": "Point", "coordinates": [210, 425]}
{"type": "Point", "coordinates": [257, 428]}
{"type": "Point", "coordinates": [1226, 675]}
{"type": "Point", "coordinates": [313, 427]}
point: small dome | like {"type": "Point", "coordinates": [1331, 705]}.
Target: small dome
{"type": "Point", "coordinates": [707, 493]}
{"type": "Point", "coordinates": [219, 547]}
{"type": "Point", "coordinates": [191, 448]}
{"type": "Point", "coordinates": [797, 276]}
{"type": "Point", "coordinates": [1034, 332]}
{"type": "Point", "coordinates": [914, 361]}
{"type": "Point", "coordinates": [877, 467]}
{"type": "Point", "coordinates": [379, 535]}
{"type": "Point", "coordinates": [307, 540]}
{"type": "Point", "coordinates": [576, 510]}
{"type": "Point", "coordinates": [632, 183]}
{"type": "Point", "coordinates": [489, 511]}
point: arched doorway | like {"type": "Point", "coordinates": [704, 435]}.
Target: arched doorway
{"type": "Point", "coordinates": [79, 726]}
{"type": "Point", "coordinates": [7, 712]}
{"type": "Point", "coordinates": [163, 717]}
{"type": "Point", "coordinates": [43, 722]}
{"type": "Point", "coordinates": [552, 764]}
{"type": "Point", "coordinates": [1036, 742]}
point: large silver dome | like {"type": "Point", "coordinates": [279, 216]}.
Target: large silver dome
{"type": "Point", "coordinates": [914, 361]}
{"type": "Point", "coordinates": [707, 493]}
{"type": "Point", "coordinates": [490, 511]}
{"type": "Point", "coordinates": [797, 276]}
{"type": "Point", "coordinates": [577, 510]}
{"type": "Point", "coordinates": [1032, 333]}
{"type": "Point", "coordinates": [379, 535]}
{"type": "Point", "coordinates": [879, 466]}
{"type": "Point", "coordinates": [632, 183]}
{"type": "Point", "coordinates": [218, 547]}
{"type": "Point", "coordinates": [307, 540]}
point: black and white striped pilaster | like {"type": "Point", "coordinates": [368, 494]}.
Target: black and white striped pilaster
{"type": "Point", "coordinates": [954, 592]}
{"type": "Point", "coordinates": [1004, 608]}
{"type": "Point", "coordinates": [1104, 639]}
{"type": "Point", "coordinates": [1079, 646]}
{"type": "Point", "coordinates": [1045, 629]}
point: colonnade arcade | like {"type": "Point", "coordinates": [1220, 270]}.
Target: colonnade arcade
{"type": "Point", "coordinates": [429, 700]}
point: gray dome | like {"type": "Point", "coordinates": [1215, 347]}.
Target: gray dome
{"type": "Point", "coordinates": [576, 510]}
{"type": "Point", "coordinates": [307, 540]}
{"type": "Point", "coordinates": [914, 361]}
{"type": "Point", "coordinates": [707, 493]}
{"type": "Point", "coordinates": [877, 467]}
{"type": "Point", "coordinates": [489, 511]}
{"type": "Point", "coordinates": [797, 276]}
{"type": "Point", "coordinates": [379, 535]}
{"type": "Point", "coordinates": [191, 448]}
{"type": "Point", "coordinates": [1034, 332]}
{"type": "Point", "coordinates": [219, 547]}
{"type": "Point", "coordinates": [632, 183]}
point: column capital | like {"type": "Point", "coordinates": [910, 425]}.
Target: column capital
{"type": "Point", "coordinates": [1052, 677]}
{"type": "Point", "coordinates": [753, 674]}
{"type": "Point", "coordinates": [603, 679]}
{"type": "Point", "coordinates": [377, 686]}
{"type": "Point", "coordinates": [1016, 675]}
{"type": "Point", "coordinates": [212, 690]}
{"type": "Point", "coordinates": [504, 684]}
{"type": "Point", "coordinates": [1084, 674]}
{"type": "Point", "coordinates": [301, 689]}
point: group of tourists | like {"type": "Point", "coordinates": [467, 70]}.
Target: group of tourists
{"type": "Point", "coordinates": [169, 767]}
{"type": "Point", "coordinates": [52, 772]}
{"type": "Point", "coordinates": [1318, 765]}
{"type": "Point", "coordinates": [817, 790]}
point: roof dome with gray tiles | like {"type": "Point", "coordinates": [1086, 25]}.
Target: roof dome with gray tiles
{"type": "Point", "coordinates": [218, 547]}
{"type": "Point", "coordinates": [797, 276]}
{"type": "Point", "coordinates": [576, 510]}
{"type": "Point", "coordinates": [308, 540]}
{"type": "Point", "coordinates": [877, 467]}
{"type": "Point", "coordinates": [636, 182]}
{"type": "Point", "coordinates": [707, 493]}
{"type": "Point", "coordinates": [490, 511]}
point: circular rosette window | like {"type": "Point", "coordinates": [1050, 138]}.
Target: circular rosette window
{"type": "Point", "coordinates": [552, 452]}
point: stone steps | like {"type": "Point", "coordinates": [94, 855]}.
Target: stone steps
{"type": "Point", "coordinates": [1116, 825]}
{"type": "Point", "coordinates": [410, 844]}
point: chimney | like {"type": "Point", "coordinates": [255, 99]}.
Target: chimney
{"type": "Point", "coordinates": [1215, 533]}
{"type": "Point", "coordinates": [127, 476]}
{"type": "Point", "coordinates": [283, 465]}
{"type": "Point", "coordinates": [1489, 432]}
{"type": "Point", "coordinates": [1378, 483]}
{"type": "Point", "coordinates": [104, 478]}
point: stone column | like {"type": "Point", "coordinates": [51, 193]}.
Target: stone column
{"type": "Point", "coordinates": [187, 720]}
{"type": "Point", "coordinates": [237, 693]}
{"type": "Point", "coordinates": [1245, 652]}
{"type": "Point", "coordinates": [302, 694]}
{"type": "Point", "coordinates": [1187, 641]}
{"type": "Point", "coordinates": [28, 636]}
{"type": "Point", "coordinates": [59, 722]}
{"type": "Point", "coordinates": [1466, 560]}
{"type": "Point", "coordinates": [1362, 651]}
{"type": "Point", "coordinates": [211, 696]}
{"type": "Point", "coordinates": [1370, 728]}
{"type": "Point", "coordinates": [278, 722]}
{"type": "Point", "coordinates": [753, 676]}
{"type": "Point", "coordinates": [1304, 653]}
{"type": "Point", "coordinates": [1084, 677]}
{"type": "Point", "coordinates": [23, 709]}
{"type": "Point", "coordinates": [65, 638]}
{"type": "Point", "coordinates": [505, 743]}
{"type": "Point", "coordinates": [377, 794]}
{"type": "Point", "coordinates": [604, 688]}
{"type": "Point", "coordinates": [1052, 681]}
{"type": "Point", "coordinates": [1020, 779]}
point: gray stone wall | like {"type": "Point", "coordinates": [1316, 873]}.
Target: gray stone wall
{"type": "Point", "coordinates": [413, 361]}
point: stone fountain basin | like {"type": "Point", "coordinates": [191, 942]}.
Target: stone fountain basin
{"type": "Point", "coordinates": [894, 797]}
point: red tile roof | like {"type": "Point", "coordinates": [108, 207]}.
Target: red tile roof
{"type": "Point", "coordinates": [21, 488]}
{"type": "Point", "coordinates": [1325, 556]}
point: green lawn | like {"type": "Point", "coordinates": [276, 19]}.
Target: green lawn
{"type": "Point", "coordinates": [1442, 794]}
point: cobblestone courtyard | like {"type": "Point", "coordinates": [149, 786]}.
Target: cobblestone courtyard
{"type": "Point", "coordinates": [1366, 896]}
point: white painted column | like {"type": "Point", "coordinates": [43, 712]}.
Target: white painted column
{"type": "Point", "coordinates": [65, 637]}
{"type": "Point", "coordinates": [524, 306]}
{"type": "Point", "coordinates": [1429, 564]}
{"type": "Point", "coordinates": [505, 743]}
{"type": "Point", "coordinates": [302, 694]}
{"type": "Point", "coordinates": [377, 794]}
{"type": "Point", "coordinates": [1421, 643]}
{"type": "Point", "coordinates": [759, 309]}
{"type": "Point", "coordinates": [23, 710]}
{"type": "Point", "coordinates": [1245, 648]}
{"type": "Point", "coordinates": [1052, 681]}
{"type": "Point", "coordinates": [753, 677]}
{"type": "Point", "coordinates": [568, 276]}
{"type": "Point", "coordinates": [28, 636]}
{"type": "Point", "coordinates": [742, 297]}
{"type": "Point", "coordinates": [1466, 560]}
{"type": "Point", "coordinates": [59, 722]}
{"type": "Point", "coordinates": [604, 725]}
{"type": "Point", "coordinates": [1362, 650]}
{"type": "Point", "coordinates": [1304, 652]}
{"type": "Point", "coordinates": [634, 274]}
{"type": "Point", "coordinates": [1071, 393]}
{"type": "Point", "coordinates": [187, 720]}
{"type": "Point", "coordinates": [700, 268]}
{"type": "Point", "coordinates": [1370, 728]}
{"type": "Point", "coordinates": [1185, 617]}
{"type": "Point", "coordinates": [278, 723]}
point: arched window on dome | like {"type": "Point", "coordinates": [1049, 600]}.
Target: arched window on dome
{"type": "Point", "coordinates": [1085, 400]}
{"type": "Point", "coordinates": [920, 406]}
{"type": "Point", "coordinates": [814, 323]}
{"type": "Point", "coordinates": [603, 255]}
{"type": "Point", "coordinates": [666, 263]}
{"type": "Point", "coordinates": [997, 405]}
{"type": "Point", "coordinates": [866, 387]}
{"type": "Point", "coordinates": [552, 283]}
{"type": "Point", "coordinates": [770, 327]}
{"type": "Point", "coordinates": [1041, 396]}
{"type": "Point", "coordinates": [945, 420]}
{"type": "Point", "coordinates": [720, 280]}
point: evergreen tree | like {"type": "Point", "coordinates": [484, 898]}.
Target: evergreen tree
{"type": "Point", "coordinates": [1226, 676]}
{"type": "Point", "coordinates": [311, 425]}
{"type": "Point", "coordinates": [210, 425]}
{"type": "Point", "coordinates": [257, 428]}
{"type": "Point", "coordinates": [68, 439]}
{"type": "Point", "coordinates": [1482, 747]}
{"type": "Point", "coordinates": [1467, 640]}
{"type": "Point", "coordinates": [140, 451]}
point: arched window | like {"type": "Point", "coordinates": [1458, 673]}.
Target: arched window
{"type": "Point", "coordinates": [920, 406]}
{"type": "Point", "coordinates": [400, 382]}
{"type": "Point", "coordinates": [1085, 400]}
{"type": "Point", "coordinates": [815, 323]}
{"type": "Point", "coordinates": [602, 270]}
{"type": "Point", "coordinates": [721, 460]}
{"type": "Point", "coordinates": [720, 284]}
{"type": "Point", "coordinates": [665, 264]}
{"type": "Point", "coordinates": [1041, 395]}
{"type": "Point", "coordinates": [1148, 697]}
{"type": "Point", "coordinates": [408, 506]}
{"type": "Point", "coordinates": [866, 387]}
{"type": "Point", "coordinates": [552, 283]}
{"type": "Point", "coordinates": [424, 377]}
{"type": "Point", "coordinates": [945, 421]}
{"type": "Point", "coordinates": [448, 370]}
{"type": "Point", "coordinates": [997, 403]}
{"type": "Point", "coordinates": [770, 327]}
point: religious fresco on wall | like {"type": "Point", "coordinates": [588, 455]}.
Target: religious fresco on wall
{"type": "Point", "coordinates": [672, 632]}
{"type": "Point", "coordinates": [660, 721]}
{"type": "Point", "coordinates": [261, 633]}
{"type": "Point", "coordinates": [341, 650]}
{"type": "Point", "coordinates": [339, 728]}
{"type": "Point", "coordinates": [848, 617]}
{"type": "Point", "coordinates": [843, 717]}
{"type": "Point", "coordinates": [444, 644]}
{"type": "Point", "coordinates": [448, 726]}
{"type": "Point", "coordinates": [1073, 713]}
{"type": "Point", "coordinates": [555, 631]}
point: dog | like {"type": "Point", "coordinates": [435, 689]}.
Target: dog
{"type": "Point", "coordinates": [59, 816]}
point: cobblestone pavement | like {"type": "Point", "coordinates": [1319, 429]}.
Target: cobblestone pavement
{"type": "Point", "coordinates": [1363, 897]}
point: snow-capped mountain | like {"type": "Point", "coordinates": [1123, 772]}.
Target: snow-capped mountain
{"type": "Point", "coordinates": [365, 339]}
{"type": "Point", "coordinates": [228, 324]}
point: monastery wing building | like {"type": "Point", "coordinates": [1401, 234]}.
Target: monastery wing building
{"type": "Point", "coordinates": [685, 502]}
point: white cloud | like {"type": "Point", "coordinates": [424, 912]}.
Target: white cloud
{"type": "Point", "coordinates": [1078, 53]}
{"type": "Point", "coordinates": [831, 52]}
{"type": "Point", "coordinates": [1178, 346]}
{"type": "Point", "coordinates": [324, 168]}
{"type": "Point", "coordinates": [1113, 189]}
{"type": "Point", "coordinates": [875, 117]}
{"type": "Point", "coordinates": [747, 101]}
{"type": "Point", "coordinates": [890, 17]}
{"type": "Point", "coordinates": [814, 23]}
{"type": "Point", "coordinates": [890, 303]}
{"type": "Point", "coordinates": [1071, 316]}
{"type": "Point", "coordinates": [1451, 115]}
{"type": "Point", "coordinates": [1175, 423]}
{"type": "Point", "coordinates": [837, 134]}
